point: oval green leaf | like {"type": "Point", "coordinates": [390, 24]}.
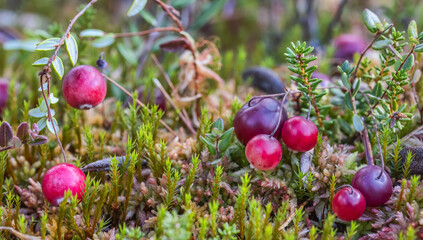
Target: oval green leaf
{"type": "Point", "coordinates": [58, 67]}
{"type": "Point", "coordinates": [136, 7]}
{"type": "Point", "coordinates": [40, 62]}
{"type": "Point", "coordinates": [358, 123]}
{"type": "Point", "coordinates": [72, 48]}
{"type": "Point", "coordinates": [381, 44]}
{"type": "Point", "coordinates": [105, 41]}
{"type": "Point", "coordinates": [92, 33]}
{"type": "Point", "coordinates": [371, 20]}
{"type": "Point", "coordinates": [48, 44]}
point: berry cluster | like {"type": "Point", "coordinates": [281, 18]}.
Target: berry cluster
{"type": "Point", "coordinates": [371, 186]}
{"type": "Point", "coordinates": [262, 122]}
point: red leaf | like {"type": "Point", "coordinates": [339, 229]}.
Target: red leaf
{"type": "Point", "coordinates": [6, 133]}
{"type": "Point", "coordinates": [175, 45]}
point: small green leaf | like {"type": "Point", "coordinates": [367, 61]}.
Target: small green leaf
{"type": "Point", "coordinates": [58, 67]}
{"type": "Point", "coordinates": [37, 113]}
{"type": "Point", "coordinates": [41, 124]}
{"type": "Point", "coordinates": [136, 7]}
{"type": "Point", "coordinates": [26, 45]}
{"type": "Point", "coordinates": [48, 44]}
{"type": "Point", "coordinates": [345, 81]}
{"type": "Point", "coordinates": [72, 48]}
{"type": "Point", "coordinates": [347, 100]}
{"type": "Point", "coordinates": [412, 32]}
{"type": "Point", "coordinates": [127, 54]}
{"type": "Point", "coordinates": [218, 124]}
{"type": "Point", "coordinates": [407, 65]}
{"type": "Point", "coordinates": [371, 20]}
{"type": "Point", "coordinates": [210, 146]}
{"type": "Point", "coordinates": [105, 41]}
{"type": "Point", "coordinates": [358, 123]}
{"type": "Point", "coordinates": [226, 139]}
{"type": "Point", "coordinates": [146, 15]}
{"type": "Point", "coordinates": [91, 33]}
{"type": "Point", "coordinates": [419, 48]}
{"type": "Point", "coordinates": [381, 44]}
{"type": "Point", "coordinates": [40, 62]}
{"type": "Point", "coordinates": [50, 125]}
{"type": "Point", "coordinates": [356, 86]}
{"type": "Point", "coordinates": [53, 99]}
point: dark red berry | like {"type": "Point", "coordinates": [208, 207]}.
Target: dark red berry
{"type": "Point", "coordinates": [346, 45]}
{"type": "Point", "coordinates": [4, 88]}
{"type": "Point", "coordinates": [84, 87]}
{"type": "Point", "coordinates": [299, 134]}
{"type": "Point", "coordinates": [264, 152]}
{"type": "Point", "coordinates": [60, 178]}
{"type": "Point", "coordinates": [159, 98]}
{"type": "Point", "coordinates": [259, 116]}
{"type": "Point", "coordinates": [348, 204]}
{"type": "Point", "coordinates": [376, 188]}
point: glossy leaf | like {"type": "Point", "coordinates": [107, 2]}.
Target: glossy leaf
{"type": "Point", "coordinates": [412, 32]}
{"type": "Point", "coordinates": [381, 44]}
{"type": "Point", "coordinates": [58, 67]}
{"type": "Point", "coordinates": [41, 124]}
{"type": "Point", "coordinates": [38, 140]}
{"type": "Point", "coordinates": [226, 139]}
{"type": "Point", "coordinates": [72, 48]}
{"type": "Point", "coordinates": [347, 100]}
{"type": "Point", "coordinates": [419, 48]}
{"type": "Point", "coordinates": [92, 33]}
{"type": "Point", "coordinates": [40, 62]}
{"type": "Point", "coordinates": [356, 86]}
{"type": "Point", "coordinates": [358, 123]}
{"type": "Point", "coordinates": [37, 113]}
{"type": "Point", "coordinates": [105, 41]}
{"type": "Point", "coordinates": [48, 44]}
{"type": "Point", "coordinates": [371, 20]}
{"type": "Point", "coordinates": [6, 134]}
{"type": "Point", "coordinates": [345, 81]}
{"type": "Point", "coordinates": [407, 65]}
{"type": "Point", "coordinates": [25, 45]}
{"type": "Point", "coordinates": [136, 7]}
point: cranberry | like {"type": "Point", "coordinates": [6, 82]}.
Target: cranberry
{"type": "Point", "coordinates": [84, 87]}
{"type": "Point", "coordinates": [346, 45]}
{"type": "Point", "coordinates": [60, 178]}
{"type": "Point", "coordinates": [264, 152]}
{"type": "Point", "coordinates": [299, 134]}
{"type": "Point", "coordinates": [259, 116]}
{"type": "Point", "coordinates": [4, 87]}
{"type": "Point", "coordinates": [348, 204]}
{"type": "Point", "coordinates": [159, 98]}
{"type": "Point", "coordinates": [376, 188]}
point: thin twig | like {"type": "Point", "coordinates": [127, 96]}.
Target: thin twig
{"type": "Point", "coordinates": [366, 49]}
{"type": "Point", "coordinates": [167, 8]}
{"type": "Point", "coordinates": [172, 87]}
{"type": "Point", "coordinates": [139, 102]}
{"type": "Point", "coordinates": [46, 71]}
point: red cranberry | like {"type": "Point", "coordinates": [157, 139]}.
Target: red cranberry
{"type": "Point", "coordinates": [348, 204]}
{"type": "Point", "coordinates": [259, 116]}
{"type": "Point", "coordinates": [159, 98]}
{"type": "Point", "coordinates": [376, 188]}
{"type": "Point", "coordinates": [346, 45]}
{"type": "Point", "coordinates": [60, 178]}
{"type": "Point", "coordinates": [264, 152]}
{"type": "Point", "coordinates": [299, 134]}
{"type": "Point", "coordinates": [4, 88]}
{"type": "Point", "coordinates": [84, 87]}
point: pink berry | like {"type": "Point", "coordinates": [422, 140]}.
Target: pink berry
{"type": "Point", "coordinates": [264, 152]}
{"type": "Point", "coordinates": [60, 178]}
{"type": "Point", "coordinates": [4, 87]}
{"type": "Point", "coordinates": [348, 204]}
{"type": "Point", "coordinates": [299, 134]}
{"type": "Point", "coordinates": [84, 87]}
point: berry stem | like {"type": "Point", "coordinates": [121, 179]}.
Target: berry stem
{"type": "Point", "coordinates": [344, 186]}
{"type": "Point", "coordinates": [280, 114]}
